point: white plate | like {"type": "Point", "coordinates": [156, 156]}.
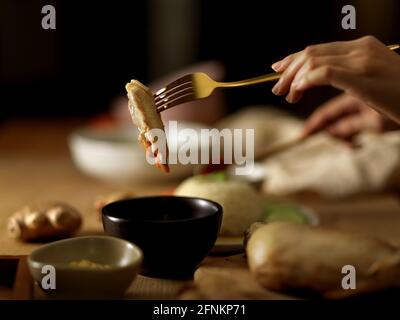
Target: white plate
{"type": "Point", "coordinates": [115, 155]}
{"type": "Point", "coordinates": [231, 245]}
{"type": "Point", "coordinates": [226, 245]}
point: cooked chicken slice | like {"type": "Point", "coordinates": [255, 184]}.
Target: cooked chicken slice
{"type": "Point", "coordinates": [145, 116]}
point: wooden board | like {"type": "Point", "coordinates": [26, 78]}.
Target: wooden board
{"type": "Point", "coordinates": [16, 282]}
{"type": "Point", "coordinates": [35, 166]}
{"type": "Point", "coordinates": [227, 278]}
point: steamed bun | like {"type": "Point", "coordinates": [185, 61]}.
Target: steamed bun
{"type": "Point", "coordinates": [242, 205]}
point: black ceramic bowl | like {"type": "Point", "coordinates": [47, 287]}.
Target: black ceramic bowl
{"type": "Point", "coordinates": [174, 233]}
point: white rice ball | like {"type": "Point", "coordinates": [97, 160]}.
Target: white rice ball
{"type": "Point", "coordinates": [242, 205]}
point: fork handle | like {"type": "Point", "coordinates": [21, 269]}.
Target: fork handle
{"type": "Point", "coordinates": [268, 77]}
{"type": "Point", "coordinates": [261, 79]}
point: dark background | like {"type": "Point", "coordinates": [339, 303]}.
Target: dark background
{"type": "Point", "coordinates": [77, 69]}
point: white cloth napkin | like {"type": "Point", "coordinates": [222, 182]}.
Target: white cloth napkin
{"type": "Point", "coordinates": [321, 164]}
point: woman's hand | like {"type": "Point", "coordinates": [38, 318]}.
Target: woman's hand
{"type": "Point", "coordinates": [344, 117]}
{"type": "Point", "coordinates": [364, 68]}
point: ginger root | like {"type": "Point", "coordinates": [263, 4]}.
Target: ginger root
{"type": "Point", "coordinates": [54, 220]}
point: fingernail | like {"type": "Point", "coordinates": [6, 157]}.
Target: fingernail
{"type": "Point", "coordinates": [276, 89]}
{"type": "Point", "coordinates": [276, 65]}
{"type": "Point", "coordinates": [289, 97]}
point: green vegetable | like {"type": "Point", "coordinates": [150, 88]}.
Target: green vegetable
{"type": "Point", "coordinates": [215, 176]}
{"type": "Point", "coordinates": [280, 211]}
{"type": "Point", "coordinates": [220, 176]}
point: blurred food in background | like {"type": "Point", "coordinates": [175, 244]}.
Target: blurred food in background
{"type": "Point", "coordinates": [309, 259]}
{"type": "Point", "coordinates": [320, 164]}
{"type": "Point", "coordinates": [44, 221]}
{"type": "Point", "coordinates": [242, 205]}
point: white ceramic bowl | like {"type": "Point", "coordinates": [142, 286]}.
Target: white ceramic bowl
{"type": "Point", "coordinates": [114, 154]}
{"type": "Point", "coordinates": [123, 258]}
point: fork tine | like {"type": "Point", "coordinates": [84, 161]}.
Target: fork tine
{"type": "Point", "coordinates": [186, 78]}
{"type": "Point", "coordinates": [178, 93]}
{"type": "Point", "coordinates": [170, 92]}
{"type": "Point", "coordinates": [172, 103]}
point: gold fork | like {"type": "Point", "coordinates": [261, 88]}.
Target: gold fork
{"type": "Point", "coordinates": [198, 85]}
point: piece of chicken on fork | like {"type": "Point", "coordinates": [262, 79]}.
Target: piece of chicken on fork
{"type": "Point", "coordinates": [145, 116]}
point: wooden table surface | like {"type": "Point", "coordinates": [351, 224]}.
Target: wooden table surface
{"type": "Point", "coordinates": [35, 165]}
